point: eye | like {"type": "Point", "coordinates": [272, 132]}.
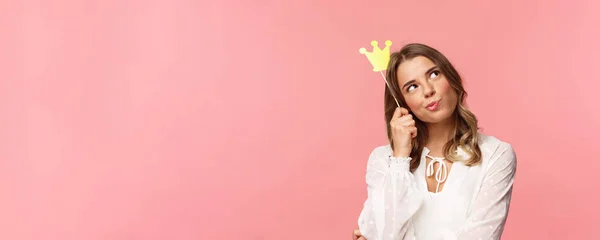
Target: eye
{"type": "Point", "coordinates": [434, 74]}
{"type": "Point", "coordinates": [411, 87]}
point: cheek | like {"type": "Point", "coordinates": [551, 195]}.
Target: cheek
{"type": "Point", "coordinates": [413, 103]}
{"type": "Point", "coordinates": [446, 91]}
{"type": "Point", "coordinates": [444, 87]}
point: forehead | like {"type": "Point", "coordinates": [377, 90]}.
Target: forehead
{"type": "Point", "coordinates": [413, 69]}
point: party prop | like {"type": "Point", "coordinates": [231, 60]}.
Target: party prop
{"type": "Point", "coordinates": [380, 59]}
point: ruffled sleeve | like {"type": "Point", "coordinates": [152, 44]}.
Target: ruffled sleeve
{"type": "Point", "coordinates": [393, 197]}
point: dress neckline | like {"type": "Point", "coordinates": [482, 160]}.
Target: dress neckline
{"type": "Point", "coordinates": [450, 172]}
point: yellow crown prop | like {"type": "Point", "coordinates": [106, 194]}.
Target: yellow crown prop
{"type": "Point", "coordinates": [378, 58]}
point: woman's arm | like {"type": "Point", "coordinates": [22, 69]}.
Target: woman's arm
{"type": "Point", "coordinates": [490, 209]}
{"type": "Point", "coordinates": [392, 199]}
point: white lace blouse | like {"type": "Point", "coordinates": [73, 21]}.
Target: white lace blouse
{"type": "Point", "coordinates": [473, 203]}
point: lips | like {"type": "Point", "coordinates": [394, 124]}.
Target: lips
{"type": "Point", "coordinates": [433, 105]}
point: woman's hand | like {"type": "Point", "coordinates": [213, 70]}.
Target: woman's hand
{"type": "Point", "coordinates": [357, 236]}
{"type": "Point", "coordinates": [403, 130]}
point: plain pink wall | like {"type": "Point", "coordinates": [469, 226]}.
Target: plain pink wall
{"type": "Point", "coordinates": [254, 119]}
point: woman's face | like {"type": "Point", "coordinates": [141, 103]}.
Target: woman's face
{"type": "Point", "coordinates": [426, 90]}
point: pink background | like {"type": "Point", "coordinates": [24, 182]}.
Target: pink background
{"type": "Point", "coordinates": [254, 119]}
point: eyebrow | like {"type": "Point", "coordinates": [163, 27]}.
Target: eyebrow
{"type": "Point", "coordinates": [426, 73]}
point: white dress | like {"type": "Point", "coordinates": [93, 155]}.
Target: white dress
{"type": "Point", "coordinates": [473, 203]}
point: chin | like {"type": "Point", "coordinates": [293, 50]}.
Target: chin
{"type": "Point", "coordinates": [435, 117]}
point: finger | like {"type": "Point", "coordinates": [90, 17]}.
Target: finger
{"type": "Point", "coordinates": [413, 132]}
{"type": "Point", "coordinates": [403, 111]}
{"type": "Point", "coordinates": [362, 238]}
{"type": "Point", "coordinates": [399, 112]}
{"type": "Point", "coordinates": [356, 234]}
{"type": "Point", "coordinates": [403, 118]}
{"type": "Point", "coordinates": [405, 121]}
{"type": "Point", "coordinates": [406, 117]}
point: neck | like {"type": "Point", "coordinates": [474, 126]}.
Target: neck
{"type": "Point", "coordinates": [439, 134]}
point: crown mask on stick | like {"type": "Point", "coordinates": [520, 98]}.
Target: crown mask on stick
{"type": "Point", "coordinates": [380, 59]}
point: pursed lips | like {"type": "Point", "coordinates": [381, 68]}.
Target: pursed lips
{"type": "Point", "coordinates": [432, 103]}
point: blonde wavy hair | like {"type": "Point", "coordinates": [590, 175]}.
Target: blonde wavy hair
{"type": "Point", "coordinates": [465, 129]}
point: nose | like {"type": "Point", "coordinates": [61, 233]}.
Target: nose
{"type": "Point", "coordinates": [428, 90]}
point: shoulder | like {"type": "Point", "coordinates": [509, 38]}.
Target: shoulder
{"type": "Point", "coordinates": [496, 152]}
{"type": "Point", "coordinates": [379, 157]}
{"type": "Point", "coordinates": [382, 150]}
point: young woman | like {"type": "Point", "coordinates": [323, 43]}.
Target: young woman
{"type": "Point", "coordinates": [439, 178]}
